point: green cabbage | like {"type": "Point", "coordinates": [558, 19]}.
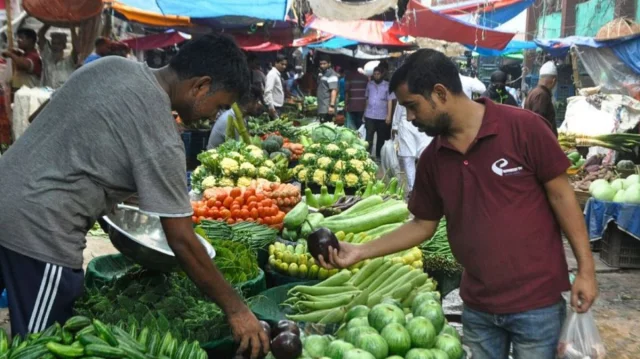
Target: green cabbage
{"type": "Point", "coordinates": [323, 134]}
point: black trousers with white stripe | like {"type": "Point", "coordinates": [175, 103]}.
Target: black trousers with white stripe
{"type": "Point", "coordinates": [39, 293]}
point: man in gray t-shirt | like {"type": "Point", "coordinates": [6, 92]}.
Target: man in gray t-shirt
{"type": "Point", "coordinates": [250, 105]}
{"type": "Point", "coordinates": [327, 95]}
{"type": "Point", "coordinates": [106, 134]}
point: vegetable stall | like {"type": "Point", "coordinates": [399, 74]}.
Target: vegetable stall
{"type": "Point", "coordinates": [270, 204]}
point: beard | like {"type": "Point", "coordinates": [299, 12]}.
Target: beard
{"type": "Point", "coordinates": [441, 126]}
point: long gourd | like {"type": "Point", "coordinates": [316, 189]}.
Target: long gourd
{"type": "Point", "coordinates": [395, 213]}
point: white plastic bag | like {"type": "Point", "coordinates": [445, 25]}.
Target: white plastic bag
{"type": "Point", "coordinates": [389, 158]}
{"type": "Point", "coordinates": [580, 338]}
{"type": "Point", "coordinates": [362, 131]}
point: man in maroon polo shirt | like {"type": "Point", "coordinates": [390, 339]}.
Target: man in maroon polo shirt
{"type": "Point", "coordinates": [497, 174]}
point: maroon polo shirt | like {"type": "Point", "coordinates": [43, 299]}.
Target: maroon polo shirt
{"type": "Point", "coordinates": [501, 226]}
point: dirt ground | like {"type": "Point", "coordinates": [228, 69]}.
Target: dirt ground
{"type": "Point", "coordinates": [617, 309]}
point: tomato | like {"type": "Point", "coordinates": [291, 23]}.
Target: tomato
{"type": "Point", "coordinates": [194, 219]}
{"type": "Point", "coordinates": [249, 192]}
{"type": "Point", "coordinates": [215, 213]}
{"type": "Point", "coordinates": [268, 220]}
{"type": "Point", "coordinates": [221, 196]}
{"type": "Point", "coordinates": [252, 205]}
{"type": "Point", "coordinates": [245, 213]}
{"type": "Point", "coordinates": [200, 219]}
{"type": "Point", "coordinates": [218, 204]}
{"type": "Point", "coordinates": [251, 199]}
{"type": "Point", "coordinates": [236, 192]}
{"type": "Point", "coordinates": [239, 220]}
{"type": "Point", "coordinates": [280, 217]}
{"type": "Point", "coordinates": [274, 210]}
{"type": "Point", "coordinates": [259, 197]}
{"type": "Point", "coordinates": [266, 203]}
{"type": "Point", "coordinates": [254, 213]}
{"type": "Point", "coordinates": [260, 221]}
{"type": "Point", "coordinates": [211, 202]}
{"type": "Point", "coordinates": [199, 211]}
{"type": "Point", "coordinates": [239, 200]}
{"type": "Point", "coordinates": [230, 221]}
{"type": "Point", "coordinates": [225, 213]}
{"type": "Point", "coordinates": [235, 213]}
{"type": "Point", "coordinates": [262, 212]}
{"type": "Point", "coordinates": [210, 213]}
{"type": "Point", "coordinates": [250, 220]}
{"type": "Point", "coordinates": [228, 202]}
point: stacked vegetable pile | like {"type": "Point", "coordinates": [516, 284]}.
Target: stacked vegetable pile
{"type": "Point", "coordinates": [577, 162]}
{"type": "Point", "coordinates": [619, 190]}
{"type": "Point", "coordinates": [263, 125]}
{"type": "Point", "coordinates": [332, 155]}
{"type": "Point", "coordinates": [329, 301]}
{"type": "Point", "coordinates": [170, 301]}
{"type": "Point", "coordinates": [81, 337]}
{"type": "Point", "coordinates": [252, 235]}
{"type": "Point", "coordinates": [236, 164]}
{"type": "Point", "coordinates": [237, 205]}
{"type": "Point", "coordinates": [437, 254]}
{"type": "Point", "coordinates": [582, 180]}
{"type": "Point", "coordinates": [276, 145]}
{"type": "Point", "coordinates": [385, 331]}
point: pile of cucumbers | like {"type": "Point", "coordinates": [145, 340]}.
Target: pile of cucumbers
{"type": "Point", "coordinates": [81, 337]}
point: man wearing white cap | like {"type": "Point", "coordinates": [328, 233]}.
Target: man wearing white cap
{"type": "Point", "coordinates": [540, 99]}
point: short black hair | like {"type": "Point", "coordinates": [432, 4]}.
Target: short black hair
{"type": "Point", "coordinates": [216, 56]}
{"type": "Point", "coordinates": [101, 41]}
{"type": "Point", "coordinates": [379, 69]}
{"type": "Point", "coordinates": [499, 77]}
{"type": "Point", "coordinates": [254, 93]}
{"type": "Point", "coordinates": [28, 33]}
{"type": "Point", "coordinates": [423, 70]}
{"type": "Point", "coordinates": [280, 58]}
{"type": "Point", "coordinates": [324, 57]}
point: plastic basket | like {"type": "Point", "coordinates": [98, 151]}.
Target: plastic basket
{"type": "Point", "coordinates": [275, 279]}
{"type": "Point", "coordinates": [447, 281]}
{"type": "Point", "coordinates": [619, 249]}
{"type": "Point", "coordinates": [254, 286]}
{"type": "Point", "coordinates": [104, 269]}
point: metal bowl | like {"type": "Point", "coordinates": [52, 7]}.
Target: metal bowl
{"type": "Point", "coordinates": [140, 237]}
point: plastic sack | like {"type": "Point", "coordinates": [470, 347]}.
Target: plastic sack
{"type": "Point", "coordinates": [580, 338]}
{"type": "Point", "coordinates": [389, 158]}
{"type": "Point", "coordinates": [362, 131]}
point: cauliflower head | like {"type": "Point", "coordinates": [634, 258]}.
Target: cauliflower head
{"type": "Point", "coordinates": [308, 158]}
{"type": "Point", "coordinates": [244, 182]}
{"type": "Point", "coordinates": [365, 177]}
{"type": "Point", "coordinates": [320, 177]}
{"type": "Point", "coordinates": [226, 182]}
{"type": "Point", "coordinates": [302, 175]}
{"type": "Point", "coordinates": [252, 148]}
{"type": "Point", "coordinates": [265, 172]}
{"type": "Point", "coordinates": [235, 155]}
{"type": "Point", "coordinates": [324, 162]}
{"type": "Point", "coordinates": [297, 169]}
{"type": "Point", "coordinates": [334, 177]}
{"type": "Point", "coordinates": [351, 152]}
{"type": "Point", "coordinates": [339, 166]}
{"type": "Point", "coordinates": [332, 149]}
{"type": "Point", "coordinates": [209, 182]}
{"type": "Point", "coordinates": [229, 166]}
{"type": "Point", "coordinates": [315, 148]}
{"type": "Point", "coordinates": [356, 165]}
{"type": "Point", "coordinates": [351, 180]}
{"type": "Point", "coordinates": [269, 164]}
{"type": "Point", "coordinates": [247, 169]}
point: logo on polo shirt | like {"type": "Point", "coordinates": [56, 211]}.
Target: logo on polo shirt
{"type": "Point", "coordinates": [498, 168]}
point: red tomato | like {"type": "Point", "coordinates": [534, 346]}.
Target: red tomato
{"type": "Point", "coordinates": [260, 221]}
{"type": "Point", "coordinates": [218, 204]}
{"type": "Point", "coordinates": [200, 219]}
{"type": "Point", "coordinates": [249, 192]}
{"type": "Point", "coordinates": [228, 202]}
{"type": "Point", "coordinates": [252, 199]}
{"type": "Point", "coordinates": [210, 213]}
{"type": "Point", "coordinates": [259, 197]}
{"type": "Point", "coordinates": [268, 220]}
{"type": "Point", "coordinates": [230, 221]}
{"type": "Point", "coordinates": [236, 213]}
{"type": "Point", "coordinates": [215, 214]}
{"type": "Point", "coordinates": [236, 192]}
{"type": "Point", "coordinates": [211, 202]}
{"type": "Point", "coordinates": [225, 213]}
{"type": "Point", "coordinates": [194, 219]}
{"type": "Point", "coordinates": [220, 196]}
{"type": "Point", "coordinates": [254, 213]}
{"type": "Point", "coordinates": [239, 200]}
{"type": "Point", "coordinates": [245, 213]}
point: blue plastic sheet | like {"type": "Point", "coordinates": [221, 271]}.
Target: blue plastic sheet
{"type": "Point", "coordinates": [598, 214]}
{"type": "Point", "coordinates": [495, 18]}
{"type": "Point", "coordinates": [334, 43]}
{"type": "Point", "coordinates": [259, 9]}
{"type": "Point", "coordinates": [512, 46]}
{"type": "Point", "coordinates": [629, 53]}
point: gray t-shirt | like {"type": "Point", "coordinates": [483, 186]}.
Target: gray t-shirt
{"type": "Point", "coordinates": [327, 82]}
{"type": "Point", "coordinates": [106, 134]}
{"type": "Point", "coordinates": [219, 131]}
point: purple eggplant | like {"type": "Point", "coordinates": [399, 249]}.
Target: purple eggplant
{"type": "Point", "coordinates": [319, 242]}
{"type": "Point", "coordinates": [286, 345]}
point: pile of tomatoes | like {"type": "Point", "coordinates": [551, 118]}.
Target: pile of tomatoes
{"type": "Point", "coordinates": [236, 206]}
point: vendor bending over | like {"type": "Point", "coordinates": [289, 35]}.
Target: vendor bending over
{"type": "Point", "coordinates": [106, 134]}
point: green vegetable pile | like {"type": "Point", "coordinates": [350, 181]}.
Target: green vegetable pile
{"type": "Point", "coordinates": [437, 254]}
{"type": "Point", "coordinates": [236, 261]}
{"type": "Point", "coordinates": [253, 235]}
{"type": "Point", "coordinates": [159, 301]}
{"type": "Point", "coordinates": [259, 126]}
{"type": "Point", "coordinates": [81, 337]}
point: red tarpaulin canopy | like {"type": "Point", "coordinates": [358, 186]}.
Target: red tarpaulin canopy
{"type": "Point", "coordinates": [155, 41]}
{"type": "Point", "coordinates": [365, 31]}
{"type": "Point", "coordinates": [420, 21]}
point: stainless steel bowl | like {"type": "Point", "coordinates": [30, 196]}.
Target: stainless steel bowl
{"type": "Point", "coordinates": [141, 238]}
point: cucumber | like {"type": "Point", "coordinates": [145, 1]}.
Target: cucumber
{"type": "Point", "coordinates": [104, 333]}
{"type": "Point", "coordinates": [132, 353]}
{"type": "Point", "coordinates": [104, 351]}
{"type": "Point", "coordinates": [67, 337]}
{"type": "Point", "coordinates": [4, 342]}
{"type": "Point", "coordinates": [47, 339]}
{"type": "Point", "coordinates": [87, 339]}
{"type": "Point", "coordinates": [172, 348]}
{"type": "Point", "coordinates": [77, 323]}
{"type": "Point", "coordinates": [296, 216]}
{"type": "Point", "coordinates": [86, 330]}
{"type": "Point", "coordinates": [65, 351]}
{"type": "Point", "coordinates": [77, 344]}
{"type": "Point", "coordinates": [27, 351]}
{"type": "Point", "coordinates": [51, 331]}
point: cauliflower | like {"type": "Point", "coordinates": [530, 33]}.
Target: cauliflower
{"type": "Point", "coordinates": [320, 177]}
{"type": "Point", "coordinates": [235, 155]}
{"type": "Point", "coordinates": [244, 182]}
{"type": "Point", "coordinates": [226, 182]}
{"type": "Point", "coordinates": [199, 171]}
{"type": "Point", "coordinates": [269, 164]}
{"type": "Point", "coordinates": [297, 169]}
{"type": "Point", "coordinates": [257, 153]}
{"type": "Point", "coordinates": [265, 172]}
{"type": "Point", "coordinates": [324, 162]}
{"type": "Point", "coordinates": [247, 169]}
{"type": "Point", "coordinates": [365, 177]}
{"type": "Point", "coordinates": [308, 158]}
{"type": "Point", "coordinates": [302, 175]}
{"type": "Point", "coordinates": [339, 166]}
{"type": "Point", "coordinates": [229, 166]}
{"type": "Point", "coordinates": [315, 148]}
{"type": "Point", "coordinates": [357, 165]}
{"type": "Point", "coordinates": [351, 152]}
{"type": "Point", "coordinates": [208, 182]}
{"type": "Point", "coordinates": [252, 148]}
{"type": "Point", "coordinates": [335, 177]}
{"type": "Point", "coordinates": [351, 180]}
{"type": "Point", "coordinates": [332, 150]}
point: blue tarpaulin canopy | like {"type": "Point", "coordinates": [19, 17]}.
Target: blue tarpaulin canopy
{"type": "Point", "coordinates": [512, 47]}
{"type": "Point", "coordinates": [334, 43]}
{"type": "Point", "coordinates": [626, 49]}
{"type": "Point", "coordinates": [258, 9]}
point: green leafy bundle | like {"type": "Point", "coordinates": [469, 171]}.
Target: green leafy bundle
{"type": "Point", "coordinates": [437, 252]}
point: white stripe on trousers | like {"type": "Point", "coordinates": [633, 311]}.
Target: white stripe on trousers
{"type": "Point", "coordinates": [36, 305]}
{"type": "Point", "coordinates": [46, 297]}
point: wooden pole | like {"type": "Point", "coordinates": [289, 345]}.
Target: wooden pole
{"type": "Point", "coordinates": [7, 90]}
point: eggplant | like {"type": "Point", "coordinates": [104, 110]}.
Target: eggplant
{"type": "Point", "coordinates": [266, 327]}
{"type": "Point", "coordinates": [319, 242]}
{"type": "Point", "coordinates": [286, 345]}
{"type": "Point", "coordinates": [285, 326]}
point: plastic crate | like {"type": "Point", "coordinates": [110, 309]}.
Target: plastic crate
{"type": "Point", "coordinates": [619, 249]}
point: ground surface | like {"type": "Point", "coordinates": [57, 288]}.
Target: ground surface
{"type": "Point", "coordinates": [617, 310]}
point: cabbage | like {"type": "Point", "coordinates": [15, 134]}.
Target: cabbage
{"type": "Point", "coordinates": [619, 197]}
{"type": "Point", "coordinates": [603, 192]}
{"type": "Point", "coordinates": [596, 183]}
{"type": "Point", "coordinates": [315, 345]}
{"type": "Point", "coordinates": [347, 135]}
{"type": "Point", "coordinates": [631, 180]}
{"type": "Point", "coordinates": [617, 184]}
{"type": "Point", "coordinates": [632, 194]}
{"type": "Point", "coordinates": [323, 134]}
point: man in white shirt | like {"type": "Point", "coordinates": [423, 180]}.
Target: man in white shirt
{"type": "Point", "coordinates": [471, 85]}
{"type": "Point", "coordinates": [274, 90]}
